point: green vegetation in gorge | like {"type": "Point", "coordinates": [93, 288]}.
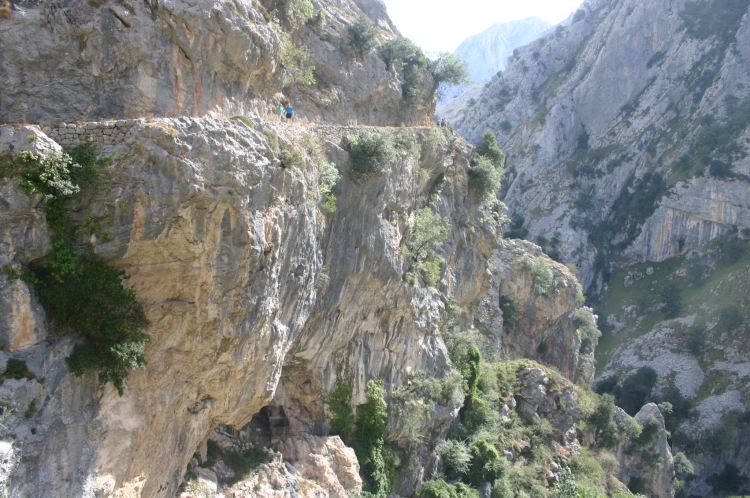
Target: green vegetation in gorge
{"type": "Point", "coordinates": [429, 232]}
{"type": "Point", "coordinates": [371, 153]}
{"type": "Point", "coordinates": [15, 369]}
{"type": "Point", "coordinates": [485, 180]}
{"type": "Point", "coordinates": [80, 293]}
{"type": "Point", "coordinates": [298, 65]}
{"type": "Point", "coordinates": [473, 453]}
{"type": "Point", "coordinates": [542, 275]}
{"type": "Point", "coordinates": [363, 429]}
{"type": "Point", "coordinates": [363, 37]}
{"type": "Point", "coordinates": [716, 146]}
{"type": "Point", "coordinates": [407, 58]}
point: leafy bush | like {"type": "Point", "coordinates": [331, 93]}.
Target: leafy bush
{"type": "Point", "coordinates": [85, 296]}
{"type": "Point", "coordinates": [631, 429]}
{"type": "Point", "coordinates": [456, 458]}
{"type": "Point", "coordinates": [328, 177]}
{"type": "Point", "coordinates": [485, 463]}
{"type": "Point", "coordinates": [543, 276]}
{"type": "Point", "coordinates": [80, 293]}
{"type": "Point", "coordinates": [16, 369]}
{"type": "Point", "coordinates": [339, 402]}
{"type": "Point", "coordinates": [429, 232]}
{"type": "Point", "coordinates": [294, 12]}
{"type": "Point", "coordinates": [362, 37]}
{"type": "Point", "coordinates": [403, 55]}
{"type": "Point", "coordinates": [682, 465]}
{"type": "Point", "coordinates": [649, 431]}
{"type": "Point", "coordinates": [489, 148]}
{"type": "Point", "coordinates": [369, 439]}
{"type": "Point", "coordinates": [438, 488]}
{"type": "Point", "coordinates": [371, 153]}
{"type": "Point", "coordinates": [291, 157]}
{"type": "Point", "coordinates": [51, 175]}
{"type": "Point", "coordinates": [414, 402]}
{"type": "Point", "coordinates": [448, 68]}
{"type": "Point", "coordinates": [501, 488]}
{"type": "Point", "coordinates": [587, 330]}
{"type": "Point", "coordinates": [298, 65]}
{"type": "Point", "coordinates": [484, 178]}
{"type": "Point", "coordinates": [603, 422]}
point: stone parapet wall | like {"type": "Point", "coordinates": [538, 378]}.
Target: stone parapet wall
{"type": "Point", "coordinates": [103, 133]}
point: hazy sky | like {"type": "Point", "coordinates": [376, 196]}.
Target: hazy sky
{"type": "Point", "coordinates": [441, 25]}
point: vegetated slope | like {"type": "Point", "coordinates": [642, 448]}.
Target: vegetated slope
{"type": "Point", "coordinates": [485, 54]}
{"type": "Point", "coordinates": [298, 308]}
{"type": "Point", "coordinates": [627, 139]}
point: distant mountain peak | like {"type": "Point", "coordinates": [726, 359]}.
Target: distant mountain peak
{"type": "Point", "coordinates": [485, 54]}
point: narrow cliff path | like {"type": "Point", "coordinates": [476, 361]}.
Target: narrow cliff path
{"type": "Point", "coordinates": [117, 131]}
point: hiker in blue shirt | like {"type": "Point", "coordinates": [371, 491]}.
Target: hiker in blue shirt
{"type": "Point", "coordinates": [289, 111]}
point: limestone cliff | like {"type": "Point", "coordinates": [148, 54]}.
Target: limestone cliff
{"type": "Point", "coordinates": [626, 131]}
{"type": "Point", "coordinates": [133, 59]}
{"type": "Point", "coordinates": [250, 290]}
{"type": "Point", "coordinates": [272, 269]}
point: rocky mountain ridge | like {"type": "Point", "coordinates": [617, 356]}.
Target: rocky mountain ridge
{"type": "Point", "coordinates": [627, 140]}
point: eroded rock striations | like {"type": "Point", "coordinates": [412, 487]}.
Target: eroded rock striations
{"type": "Point", "coordinates": [133, 59]}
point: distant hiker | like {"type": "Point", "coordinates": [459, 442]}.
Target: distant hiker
{"type": "Point", "coordinates": [443, 123]}
{"type": "Point", "coordinates": [289, 112]}
{"type": "Point", "coordinates": [280, 111]}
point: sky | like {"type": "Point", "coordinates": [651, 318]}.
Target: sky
{"type": "Point", "coordinates": [441, 25]}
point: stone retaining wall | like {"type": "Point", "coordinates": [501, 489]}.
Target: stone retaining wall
{"type": "Point", "coordinates": [103, 133]}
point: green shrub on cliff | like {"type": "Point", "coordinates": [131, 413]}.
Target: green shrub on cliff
{"type": "Point", "coordinates": [363, 37]}
{"type": "Point", "coordinates": [429, 232]}
{"type": "Point", "coordinates": [438, 488]}
{"type": "Point", "coordinates": [339, 402]}
{"type": "Point", "coordinates": [80, 293]}
{"type": "Point", "coordinates": [542, 275]}
{"type": "Point", "coordinates": [448, 68]}
{"type": "Point", "coordinates": [328, 178]}
{"type": "Point", "coordinates": [486, 173]}
{"type": "Point", "coordinates": [371, 153]}
{"type": "Point", "coordinates": [369, 440]}
{"type": "Point", "coordinates": [406, 57]}
{"type": "Point", "coordinates": [298, 65]}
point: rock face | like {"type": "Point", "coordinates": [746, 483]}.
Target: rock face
{"type": "Point", "coordinates": [251, 293]}
{"type": "Point", "coordinates": [602, 119]}
{"type": "Point", "coordinates": [626, 132]}
{"type": "Point", "coordinates": [649, 461]}
{"type": "Point", "coordinates": [127, 59]}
